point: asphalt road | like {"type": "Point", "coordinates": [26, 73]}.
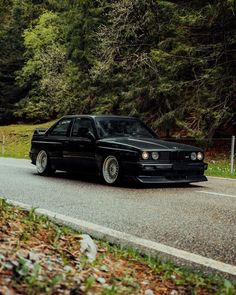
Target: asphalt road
{"type": "Point", "coordinates": [200, 219]}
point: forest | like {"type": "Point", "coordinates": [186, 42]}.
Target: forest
{"type": "Point", "coordinates": [170, 63]}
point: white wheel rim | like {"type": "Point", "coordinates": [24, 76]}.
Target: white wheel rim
{"type": "Point", "coordinates": [110, 169]}
{"type": "Point", "coordinates": [41, 161]}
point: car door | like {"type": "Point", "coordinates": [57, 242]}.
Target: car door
{"type": "Point", "coordinates": [80, 149]}
{"type": "Point", "coordinates": [56, 138]}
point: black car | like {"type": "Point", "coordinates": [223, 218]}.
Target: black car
{"type": "Point", "coordinates": [114, 147]}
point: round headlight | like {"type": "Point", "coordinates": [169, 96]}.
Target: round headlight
{"type": "Point", "coordinates": [193, 156]}
{"type": "Point", "coordinates": [155, 155]}
{"type": "Point", "coordinates": [145, 155]}
{"type": "Point", "coordinates": [200, 156]}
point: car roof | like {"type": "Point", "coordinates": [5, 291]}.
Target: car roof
{"type": "Point", "coordinates": [98, 116]}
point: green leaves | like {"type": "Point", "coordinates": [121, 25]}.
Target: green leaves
{"type": "Point", "coordinates": [43, 72]}
{"type": "Point", "coordinates": [148, 58]}
{"type": "Point", "coordinates": [59, 53]}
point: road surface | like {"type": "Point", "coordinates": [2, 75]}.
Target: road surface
{"type": "Point", "coordinates": [200, 219]}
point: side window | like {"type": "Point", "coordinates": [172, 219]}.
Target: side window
{"type": "Point", "coordinates": [61, 128]}
{"type": "Point", "coordinates": [81, 127]}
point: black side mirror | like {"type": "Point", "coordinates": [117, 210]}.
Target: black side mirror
{"type": "Point", "coordinates": [91, 136]}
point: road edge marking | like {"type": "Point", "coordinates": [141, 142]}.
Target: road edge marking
{"type": "Point", "coordinates": [216, 194]}
{"type": "Point", "coordinates": [118, 237]}
{"type": "Point", "coordinates": [220, 177]}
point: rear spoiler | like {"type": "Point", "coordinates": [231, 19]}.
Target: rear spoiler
{"type": "Point", "coordinates": [40, 131]}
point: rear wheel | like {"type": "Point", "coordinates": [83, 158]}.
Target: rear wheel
{"type": "Point", "coordinates": [43, 165]}
{"type": "Point", "coordinates": [111, 171]}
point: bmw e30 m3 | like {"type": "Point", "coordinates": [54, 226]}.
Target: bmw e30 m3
{"type": "Point", "coordinates": [114, 147]}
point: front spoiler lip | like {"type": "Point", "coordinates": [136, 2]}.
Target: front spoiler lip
{"type": "Point", "coordinates": [176, 166]}
{"type": "Point", "coordinates": [165, 180]}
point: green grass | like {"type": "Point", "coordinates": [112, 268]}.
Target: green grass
{"type": "Point", "coordinates": [24, 232]}
{"type": "Point", "coordinates": [220, 168]}
{"type": "Point", "coordinates": [18, 138]}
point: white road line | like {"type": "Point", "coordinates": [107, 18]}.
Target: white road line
{"type": "Point", "coordinates": [16, 166]}
{"type": "Point", "coordinates": [221, 178]}
{"type": "Point", "coordinates": [215, 194]}
{"type": "Point", "coordinates": [118, 237]}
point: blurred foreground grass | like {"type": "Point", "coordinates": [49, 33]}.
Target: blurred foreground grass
{"type": "Point", "coordinates": [38, 256]}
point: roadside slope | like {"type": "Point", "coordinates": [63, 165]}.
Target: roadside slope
{"type": "Point", "coordinates": [18, 137]}
{"type": "Point", "coordinates": [38, 256]}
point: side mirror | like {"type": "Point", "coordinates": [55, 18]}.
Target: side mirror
{"type": "Point", "coordinates": [91, 136]}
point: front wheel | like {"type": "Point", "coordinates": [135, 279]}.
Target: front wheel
{"type": "Point", "coordinates": [111, 171]}
{"type": "Point", "coordinates": [43, 165]}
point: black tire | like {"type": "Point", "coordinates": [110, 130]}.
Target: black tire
{"type": "Point", "coordinates": [111, 170]}
{"type": "Point", "coordinates": [43, 164]}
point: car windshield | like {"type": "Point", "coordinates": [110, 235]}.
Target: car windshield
{"type": "Point", "coordinates": [117, 127]}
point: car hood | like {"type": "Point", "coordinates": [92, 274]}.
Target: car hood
{"type": "Point", "coordinates": [147, 144]}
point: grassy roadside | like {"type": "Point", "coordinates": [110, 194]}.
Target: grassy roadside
{"type": "Point", "coordinates": [220, 168]}
{"type": "Point", "coordinates": [18, 139]}
{"type": "Point", "coordinates": [40, 257]}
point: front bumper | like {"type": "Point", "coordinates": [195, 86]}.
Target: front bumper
{"type": "Point", "coordinates": [167, 173]}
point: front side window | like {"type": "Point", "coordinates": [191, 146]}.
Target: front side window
{"type": "Point", "coordinates": [81, 127]}
{"type": "Point", "coordinates": [62, 128]}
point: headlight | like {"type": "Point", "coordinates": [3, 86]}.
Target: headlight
{"type": "Point", "coordinates": [193, 156]}
{"type": "Point", "coordinates": [155, 155]}
{"type": "Point", "coordinates": [145, 155]}
{"type": "Point", "coordinates": [200, 156]}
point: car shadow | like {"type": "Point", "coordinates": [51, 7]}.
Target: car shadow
{"type": "Point", "coordinates": [127, 184]}
{"type": "Point", "coordinates": [159, 185]}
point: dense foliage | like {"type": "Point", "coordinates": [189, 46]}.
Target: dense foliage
{"type": "Point", "coordinates": [172, 63]}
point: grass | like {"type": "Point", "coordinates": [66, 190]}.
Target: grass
{"type": "Point", "coordinates": [38, 256]}
{"type": "Point", "coordinates": [220, 168]}
{"type": "Point", "coordinates": [18, 138]}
